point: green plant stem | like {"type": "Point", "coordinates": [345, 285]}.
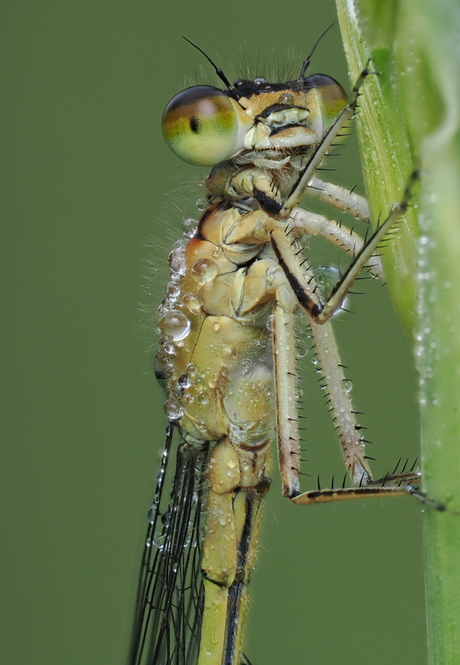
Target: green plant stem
{"type": "Point", "coordinates": [410, 115]}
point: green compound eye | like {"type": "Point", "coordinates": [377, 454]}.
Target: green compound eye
{"type": "Point", "coordinates": [200, 125]}
{"type": "Point", "coordinates": [331, 97]}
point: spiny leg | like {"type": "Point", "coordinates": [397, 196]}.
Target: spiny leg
{"type": "Point", "coordinates": [342, 237]}
{"type": "Point", "coordinates": [340, 197]}
{"type": "Point", "coordinates": [349, 432]}
{"type": "Point", "coordinates": [284, 360]}
{"type": "Point", "coordinates": [366, 254]}
{"type": "Point", "coordinates": [340, 404]}
{"type": "Point", "coordinates": [293, 267]}
{"type": "Point", "coordinates": [341, 407]}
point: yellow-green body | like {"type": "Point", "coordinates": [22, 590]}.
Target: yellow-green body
{"type": "Point", "coordinates": [228, 346]}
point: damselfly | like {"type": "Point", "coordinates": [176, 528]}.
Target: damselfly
{"type": "Point", "coordinates": [227, 353]}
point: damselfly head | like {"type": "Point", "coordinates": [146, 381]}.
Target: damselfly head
{"type": "Point", "coordinates": [204, 125]}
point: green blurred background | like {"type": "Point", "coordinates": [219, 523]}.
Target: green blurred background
{"type": "Point", "coordinates": [89, 184]}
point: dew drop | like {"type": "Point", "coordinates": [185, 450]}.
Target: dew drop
{"type": "Point", "coordinates": [162, 369]}
{"type": "Point", "coordinates": [175, 325]}
{"type": "Point", "coordinates": [189, 227]}
{"type": "Point", "coordinates": [159, 540]}
{"type": "Point", "coordinates": [173, 409]}
{"type": "Point", "coordinates": [184, 381]}
{"type": "Point", "coordinates": [201, 204]}
{"type": "Point", "coordinates": [169, 349]}
{"type": "Point", "coordinates": [302, 347]}
{"type": "Point", "coordinates": [348, 385]}
{"type": "Point", "coordinates": [192, 371]}
{"type": "Point", "coordinates": [177, 261]}
{"type": "Point", "coordinates": [326, 277]}
{"type": "Point", "coordinates": [286, 98]}
{"type": "Point", "coordinates": [152, 513]}
{"type": "Point", "coordinates": [172, 291]}
{"type": "Point", "coordinates": [204, 270]}
{"type": "Point", "coordinates": [192, 303]}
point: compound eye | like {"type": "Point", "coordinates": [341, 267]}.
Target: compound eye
{"type": "Point", "coordinates": [200, 125]}
{"type": "Point", "coordinates": [332, 97]}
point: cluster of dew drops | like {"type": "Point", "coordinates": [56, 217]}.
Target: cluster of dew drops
{"type": "Point", "coordinates": [174, 324]}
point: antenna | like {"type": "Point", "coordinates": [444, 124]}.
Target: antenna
{"type": "Point", "coordinates": [219, 72]}
{"type": "Point", "coordinates": [306, 63]}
